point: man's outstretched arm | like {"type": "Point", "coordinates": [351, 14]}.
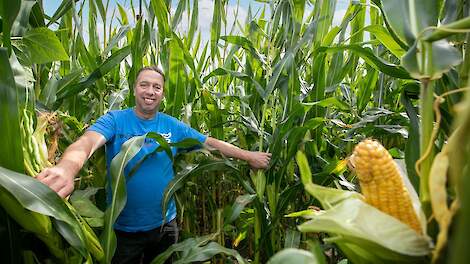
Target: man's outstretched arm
{"type": "Point", "coordinates": [60, 178]}
{"type": "Point", "coordinates": [256, 159]}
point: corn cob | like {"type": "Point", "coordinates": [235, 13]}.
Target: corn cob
{"type": "Point", "coordinates": [381, 183]}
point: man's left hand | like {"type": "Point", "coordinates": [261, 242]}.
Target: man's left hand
{"type": "Point", "coordinates": [259, 160]}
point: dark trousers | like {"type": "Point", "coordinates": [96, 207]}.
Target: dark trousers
{"type": "Point", "coordinates": [143, 247]}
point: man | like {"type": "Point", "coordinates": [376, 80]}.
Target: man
{"type": "Point", "coordinates": [138, 227]}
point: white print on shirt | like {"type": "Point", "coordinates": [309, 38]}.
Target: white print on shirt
{"type": "Point", "coordinates": [166, 136]}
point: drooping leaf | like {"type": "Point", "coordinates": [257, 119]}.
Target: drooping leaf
{"type": "Point", "coordinates": [37, 197]}
{"type": "Point", "coordinates": [384, 37]}
{"type": "Point", "coordinates": [184, 245]}
{"type": "Point", "coordinates": [370, 58]}
{"type": "Point", "coordinates": [203, 253]}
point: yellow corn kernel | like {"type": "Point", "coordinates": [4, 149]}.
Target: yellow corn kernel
{"type": "Point", "coordinates": [381, 183]}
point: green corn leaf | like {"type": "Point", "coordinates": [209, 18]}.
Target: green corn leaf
{"type": "Point", "coordinates": [176, 19]}
{"type": "Point", "coordinates": [123, 14]}
{"type": "Point", "coordinates": [238, 75]}
{"type": "Point", "coordinates": [197, 254]}
{"type": "Point", "coordinates": [37, 197]}
{"type": "Point", "coordinates": [118, 193]}
{"type": "Point", "coordinates": [20, 26]}
{"type": "Point", "coordinates": [240, 203]}
{"type": "Point", "coordinates": [447, 30]}
{"type": "Point", "coordinates": [288, 58]}
{"type": "Point", "coordinates": [215, 27]}
{"type": "Point", "coordinates": [365, 91]}
{"type": "Point", "coordinates": [80, 199]}
{"type": "Point", "coordinates": [161, 11]}
{"type": "Point", "coordinates": [116, 38]}
{"type": "Point", "coordinates": [182, 246]}
{"type": "Point", "coordinates": [305, 173]}
{"type": "Point", "coordinates": [194, 22]}
{"type": "Point", "coordinates": [329, 102]}
{"type": "Point", "coordinates": [11, 154]}
{"type": "Point", "coordinates": [44, 46]}
{"type": "Point", "coordinates": [369, 57]}
{"type": "Point", "coordinates": [441, 56]}
{"type": "Point", "coordinates": [48, 94]}
{"type": "Point", "coordinates": [34, 222]}
{"type": "Point", "coordinates": [176, 88]}
{"type": "Point", "coordinates": [187, 56]}
{"type": "Point", "coordinates": [64, 7]}
{"type": "Point", "coordinates": [93, 42]}
{"type": "Point", "coordinates": [8, 11]}
{"type": "Point", "coordinates": [411, 21]}
{"type": "Point", "coordinates": [409, 18]}
{"type": "Point", "coordinates": [10, 247]}
{"type": "Point", "coordinates": [137, 60]}
{"type": "Point", "coordinates": [386, 39]}
{"type": "Point", "coordinates": [292, 239]}
{"type": "Point", "coordinates": [99, 72]}
{"type": "Point", "coordinates": [246, 44]}
{"type": "Point", "coordinates": [412, 147]}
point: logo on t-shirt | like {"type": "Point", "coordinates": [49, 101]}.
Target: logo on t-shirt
{"type": "Point", "coordinates": [166, 136]}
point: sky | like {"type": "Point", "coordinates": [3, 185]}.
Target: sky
{"type": "Point", "coordinates": [205, 12]}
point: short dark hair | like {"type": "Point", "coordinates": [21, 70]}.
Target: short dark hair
{"type": "Point", "coordinates": [150, 68]}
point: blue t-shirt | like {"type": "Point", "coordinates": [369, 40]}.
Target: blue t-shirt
{"type": "Point", "coordinates": [143, 210]}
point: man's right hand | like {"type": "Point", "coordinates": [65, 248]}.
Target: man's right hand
{"type": "Point", "coordinates": [58, 178]}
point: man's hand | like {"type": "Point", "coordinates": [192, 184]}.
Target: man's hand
{"type": "Point", "coordinates": [258, 160]}
{"type": "Point", "coordinates": [58, 178]}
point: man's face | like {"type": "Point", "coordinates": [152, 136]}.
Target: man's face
{"type": "Point", "coordinates": [148, 93]}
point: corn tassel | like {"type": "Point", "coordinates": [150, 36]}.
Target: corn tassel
{"type": "Point", "coordinates": [382, 184]}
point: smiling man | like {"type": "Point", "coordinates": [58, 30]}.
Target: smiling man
{"type": "Point", "coordinates": [140, 236]}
